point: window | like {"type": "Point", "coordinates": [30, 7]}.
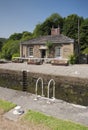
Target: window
{"type": "Point", "coordinates": [58, 51]}
{"type": "Point", "coordinates": [30, 51]}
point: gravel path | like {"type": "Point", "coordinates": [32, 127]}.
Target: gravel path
{"type": "Point", "coordinates": [73, 70]}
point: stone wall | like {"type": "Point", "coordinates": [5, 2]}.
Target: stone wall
{"type": "Point", "coordinates": [70, 89]}
{"type": "Point", "coordinates": [36, 52]}
{"type": "Point", "coordinates": [24, 51]}
{"type": "Point", "coordinates": [67, 50]}
{"type": "Point", "coordinates": [11, 79]}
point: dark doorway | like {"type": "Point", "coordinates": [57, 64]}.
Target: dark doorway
{"type": "Point", "coordinates": [43, 53]}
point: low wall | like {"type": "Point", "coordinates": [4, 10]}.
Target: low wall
{"type": "Point", "coordinates": [70, 89]}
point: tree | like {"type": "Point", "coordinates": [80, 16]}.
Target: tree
{"type": "Point", "coordinates": [84, 35]}
{"type": "Point", "coordinates": [45, 27]}
{"type": "Point", "coordinates": [1, 45]}
{"type": "Point", "coordinates": [70, 27]}
{"type": "Point", "coordinates": [2, 41]}
{"type": "Point", "coordinates": [16, 36]}
{"type": "Point", "coordinates": [26, 36]}
{"type": "Point", "coordinates": [38, 30]}
{"type": "Point", "coordinates": [11, 47]}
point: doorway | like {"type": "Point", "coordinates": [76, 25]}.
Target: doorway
{"type": "Point", "coordinates": [43, 53]}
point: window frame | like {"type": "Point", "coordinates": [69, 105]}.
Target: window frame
{"type": "Point", "coordinates": [30, 51]}
{"type": "Point", "coordinates": [58, 54]}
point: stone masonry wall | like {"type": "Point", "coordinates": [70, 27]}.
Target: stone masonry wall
{"type": "Point", "coordinates": [67, 50]}
{"type": "Point", "coordinates": [70, 89]}
{"type": "Point", "coordinates": [37, 52]}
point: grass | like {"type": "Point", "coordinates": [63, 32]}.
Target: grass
{"type": "Point", "coordinates": [38, 118]}
{"type": "Point", "coordinates": [51, 122]}
{"type": "Point", "coordinates": [6, 106]}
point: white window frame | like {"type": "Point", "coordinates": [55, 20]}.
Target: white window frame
{"type": "Point", "coordinates": [30, 51]}
{"type": "Point", "coordinates": [58, 52]}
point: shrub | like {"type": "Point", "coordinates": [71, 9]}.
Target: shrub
{"type": "Point", "coordinates": [72, 59]}
{"type": "Point", "coordinates": [15, 55]}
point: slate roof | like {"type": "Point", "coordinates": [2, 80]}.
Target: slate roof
{"type": "Point", "coordinates": [51, 38]}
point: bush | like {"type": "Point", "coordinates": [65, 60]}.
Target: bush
{"type": "Point", "coordinates": [72, 59]}
{"type": "Point", "coordinates": [15, 55]}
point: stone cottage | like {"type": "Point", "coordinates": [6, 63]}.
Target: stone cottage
{"type": "Point", "coordinates": [63, 46]}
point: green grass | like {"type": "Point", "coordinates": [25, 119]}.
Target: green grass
{"type": "Point", "coordinates": [51, 122]}
{"type": "Point", "coordinates": [41, 119]}
{"type": "Point", "coordinates": [6, 106]}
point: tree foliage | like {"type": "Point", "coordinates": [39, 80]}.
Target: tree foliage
{"type": "Point", "coordinates": [45, 27]}
{"type": "Point", "coordinates": [12, 45]}
{"type": "Point", "coordinates": [26, 36]}
{"type": "Point", "coordinates": [70, 27]}
{"type": "Point", "coordinates": [85, 51]}
{"type": "Point", "coordinates": [10, 48]}
{"type": "Point", "coordinates": [1, 44]}
{"type": "Point", "coordinates": [2, 41]}
{"type": "Point", "coordinates": [84, 35]}
{"type": "Point", "coordinates": [16, 36]}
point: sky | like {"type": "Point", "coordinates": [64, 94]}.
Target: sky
{"type": "Point", "coordinates": [17, 16]}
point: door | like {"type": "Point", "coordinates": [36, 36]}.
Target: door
{"type": "Point", "coordinates": [43, 53]}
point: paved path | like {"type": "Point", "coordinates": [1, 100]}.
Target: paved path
{"type": "Point", "coordinates": [74, 70]}
{"type": "Point", "coordinates": [59, 108]}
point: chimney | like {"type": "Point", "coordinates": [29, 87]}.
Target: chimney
{"type": "Point", "coordinates": [55, 31]}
